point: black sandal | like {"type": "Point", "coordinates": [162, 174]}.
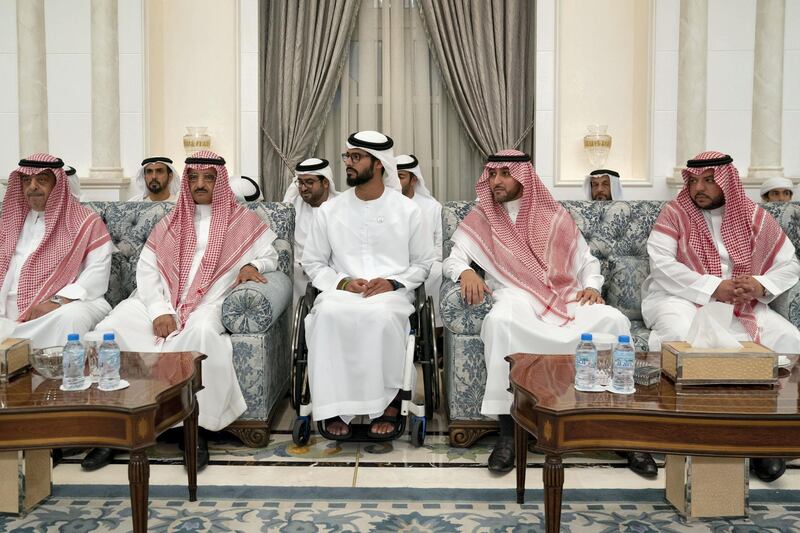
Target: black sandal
{"type": "Point", "coordinates": [343, 436]}
{"type": "Point", "coordinates": [395, 419]}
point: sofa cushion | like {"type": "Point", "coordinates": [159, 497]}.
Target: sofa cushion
{"type": "Point", "coordinates": [626, 275]}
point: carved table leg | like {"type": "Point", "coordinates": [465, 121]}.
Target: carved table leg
{"type": "Point", "coordinates": [190, 451]}
{"type": "Point", "coordinates": [521, 445]}
{"type": "Point", "coordinates": [553, 483]}
{"type": "Point", "coordinates": [139, 480]}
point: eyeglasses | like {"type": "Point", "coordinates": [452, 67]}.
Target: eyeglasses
{"type": "Point", "coordinates": [355, 157]}
{"type": "Point", "coordinates": [308, 183]}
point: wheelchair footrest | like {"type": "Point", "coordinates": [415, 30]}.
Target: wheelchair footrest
{"type": "Point", "coordinates": [360, 433]}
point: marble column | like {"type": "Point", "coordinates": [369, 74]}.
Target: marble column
{"type": "Point", "coordinates": [31, 77]}
{"type": "Point", "coordinates": [105, 92]}
{"type": "Point", "coordinates": [765, 142]}
{"type": "Point", "coordinates": [692, 81]}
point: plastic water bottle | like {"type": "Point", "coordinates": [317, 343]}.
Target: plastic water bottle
{"type": "Point", "coordinates": [73, 362]}
{"type": "Point", "coordinates": [109, 363]}
{"type": "Point", "coordinates": [623, 366]}
{"type": "Point", "coordinates": [585, 362]}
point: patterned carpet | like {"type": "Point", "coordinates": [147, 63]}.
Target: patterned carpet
{"type": "Point", "coordinates": [68, 515]}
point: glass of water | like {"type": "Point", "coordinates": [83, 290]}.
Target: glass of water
{"type": "Point", "coordinates": [91, 343]}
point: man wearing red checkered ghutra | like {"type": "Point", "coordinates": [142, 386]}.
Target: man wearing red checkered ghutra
{"type": "Point", "coordinates": [543, 281]}
{"type": "Point", "coordinates": [55, 256]}
{"type": "Point", "coordinates": [712, 243]}
{"type": "Point", "coordinates": [204, 246]}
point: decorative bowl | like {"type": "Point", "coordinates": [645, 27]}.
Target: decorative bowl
{"type": "Point", "coordinates": [47, 362]}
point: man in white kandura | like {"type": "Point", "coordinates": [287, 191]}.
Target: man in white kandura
{"type": "Point", "coordinates": [544, 282]}
{"type": "Point", "coordinates": [207, 244]}
{"type": "Point", "coordinates": [156, 181]}
{"type": "Point", "coordinates": [602, 185]}
{"type": "Point", "coordinates": [368, 249]}
{"type": "Point", "coordinates": [712, 243]}
{"type": "Point", "coordinates": [55, 256]}
{"type": "Point", "coordinates": [413, 184]}
{"type": "Point", "coordinates": [313, 186]}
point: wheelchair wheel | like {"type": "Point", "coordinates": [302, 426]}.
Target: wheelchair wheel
{"type": "Point", "coordinates": [427, 358]}
{"type": "Point", "coordinates": [299, 381]}
{"type": "Point", "coordinates": [301, 431]}
{"type": "Point", "coordinates": [418, 427]}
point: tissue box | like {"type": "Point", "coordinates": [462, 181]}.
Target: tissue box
{"type": "Point", "coordinates": [14, 358]}
{"type": "Point", "coordinates": [752, 364]}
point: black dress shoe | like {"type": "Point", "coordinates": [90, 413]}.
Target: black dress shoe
{"type": "Point", "coordinates": [97, 458]}
{"type": "Point", "coordinates": [642, 464]}
{"type": "Point", "coordinates": [202, 452]}
{"type": "Point", "coordinates": [768, 470]}
{"type": "Point", "coordinates": [502, 458]}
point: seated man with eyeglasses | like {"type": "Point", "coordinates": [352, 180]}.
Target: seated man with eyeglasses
{"type": "Point", "coordinates": [368, 249]}
{"type": "Point", "coordinates": [314, 185]}
{"type": "Point", "coordinates": [207, 244]}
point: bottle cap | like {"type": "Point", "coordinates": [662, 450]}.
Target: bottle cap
{"type": "Point", "coordinates": [108, 336]}
{"type": "Point", "coordinates": [624, 338]}
{"type": "Point", "coordinates": [73, 337]}
{"type": "Point", "coordinates": [586, 336]}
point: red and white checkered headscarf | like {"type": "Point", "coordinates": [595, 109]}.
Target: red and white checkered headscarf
{"type": "Point", "coordinates": [536, 251]}
{"type": "Point", "coordinates": [71, 232]}
{"type": "Point", "coordinates": [751, 236]}
{"type": "Point", "coordinates": [233, 230]}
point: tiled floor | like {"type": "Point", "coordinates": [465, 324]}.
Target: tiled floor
{"type": "Point", "coordinates": [380, 465]}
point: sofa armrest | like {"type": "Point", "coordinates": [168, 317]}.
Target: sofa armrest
{"type": "Point", "coordinates": [457, 316]}
{"type": "Point", "coordinates": [251, 307]}
{"type": "Point", "coordinates": [787, 304]}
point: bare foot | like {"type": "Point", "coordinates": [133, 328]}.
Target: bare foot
{"type": "Point", "coordinates": [336, 426]}
{"type": "Point", "coordinates": [385, 428]}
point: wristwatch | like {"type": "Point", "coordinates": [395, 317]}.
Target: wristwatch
{"type": "Point", "coordinates": [396, 284]}
{"type": "Point", "coordinates": [57, 300]}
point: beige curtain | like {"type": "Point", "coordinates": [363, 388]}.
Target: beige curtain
{"type": "Point", "coordinates": [486, 53]}
{"type": "Point", "coordinates": [303, 47]}
{"type": "Point", "coordinates": [390, 84]}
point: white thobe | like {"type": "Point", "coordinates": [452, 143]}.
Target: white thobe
{"type": "Point", "coordinates": [357, 345]}
{"type": "Point", "coordinates": [145, 198]}
{"type": "Point", "coordinates": [432, 211]}
{"type": "Point", "coordinates": [673, 292]}
{"type": "Point", "coordinates": [87, 290]}
{"type": "Point", "coordinates": [221, 401]}
{"type": "Point", "coordinates": [513, 325]}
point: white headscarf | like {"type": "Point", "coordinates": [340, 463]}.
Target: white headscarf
{"type": "Point", "coordinates": [380, 146]}
{"type": "Point", "coordinates": [316, 167]}
{"type": "Point", "coordinates": [74, 183]}
{"type": "Point", "coordinates": [613, 176]}
{"type": "Point", "coordinates": [776, 183]}
{"type": "Point", "coordinates": [141, 186]}
{"type": "Point", "coordinates": [245, 189]}
{"type": "Point", "coordinates": [410, 163]}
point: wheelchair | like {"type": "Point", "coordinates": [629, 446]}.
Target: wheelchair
{"type": "Point", "coordinates": [420, 349]}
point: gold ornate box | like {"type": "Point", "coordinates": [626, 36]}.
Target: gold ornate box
{"type": "Point", "coordinates": [26, 480]}
{"type": "Point", "coordinates": [753, 364]}
{"type": "Point", "coordinates": [707, 487]}
{"type": "Point", "coordinates": [14, 358]}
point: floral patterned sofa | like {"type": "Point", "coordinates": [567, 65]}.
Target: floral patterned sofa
{"type": "Point", "coordinates": [258, 316]}
{"type": "Point", "coordinates": [617, 234]}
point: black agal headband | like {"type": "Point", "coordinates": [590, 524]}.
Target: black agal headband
{"type": "Point", "coordinates": [300, 168]}
{"type": "Point", "coordinates": [361, 143]}
{"type": "Point", "coordinates": [411, 164]}
{"type": "Point", "coordinates": [41, 164]}
{"type": "Point", "coordinates": [157, 159]}
{"type": "Point", "coordinates": [204, 161]}
{"type": "Point", "coordinates": [604, 172]}
{"type": "Point", "coordinates": [701, 163]}
{"type": "Point", "coordinates": [511, 158]}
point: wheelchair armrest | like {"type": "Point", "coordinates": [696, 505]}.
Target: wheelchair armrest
{"type": "Point", "coordinates": [252, 307]}
{"type": "Point", "coordinates": [310, 295]}
{"type": "Point", "coordinates": [457, 315]}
